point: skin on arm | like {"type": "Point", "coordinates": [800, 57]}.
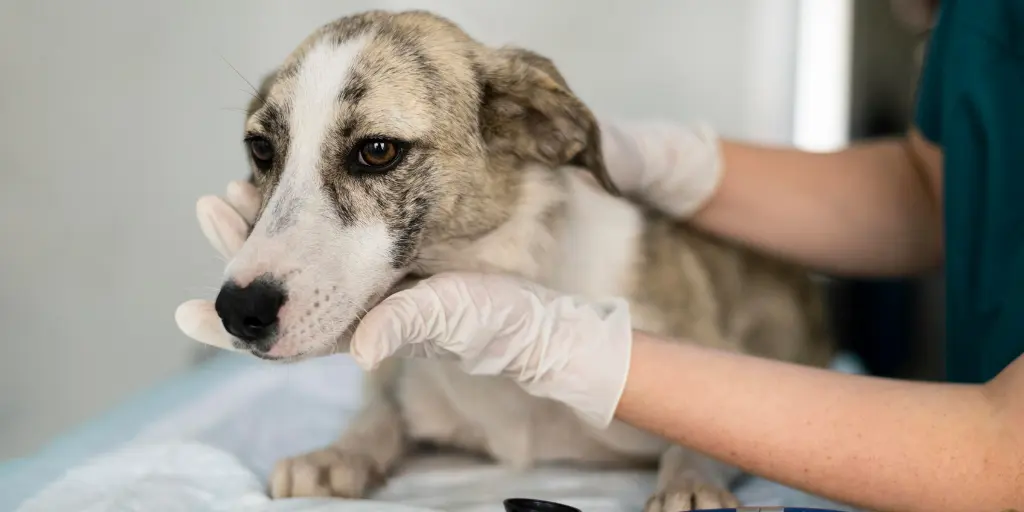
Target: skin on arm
{"type": "Point", "coordinates": [873, 209]}
{"type": "Point", "coordinates": [874, 443]}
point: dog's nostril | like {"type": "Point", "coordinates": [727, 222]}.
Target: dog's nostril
{"type": "Point", "coordinates": [250, 313]}
{"type": "Point", "coordinates": [254, 323]}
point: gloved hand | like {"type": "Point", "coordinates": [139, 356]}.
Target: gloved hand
{"type": "Point", "coordinates": [567, 348]}
{"type": "Point", "coordinates": [675, 168]}
{"type": "Point", "coordinates": [225, 223]}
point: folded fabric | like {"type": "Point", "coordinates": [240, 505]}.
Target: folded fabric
{"type": "Point", "coordinates": [177, 476]}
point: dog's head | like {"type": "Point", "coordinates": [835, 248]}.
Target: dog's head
{"type": "Point", "coordinates": [381, 134]}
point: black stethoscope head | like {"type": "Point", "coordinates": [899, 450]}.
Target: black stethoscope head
{"type": "Point", "coordinates": [529, 505]}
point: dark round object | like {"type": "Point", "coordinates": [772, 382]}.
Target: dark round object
{"type": "Point", "coordinates": [250, 313]}
{"type": "Point", "coordinates": [529, 505]}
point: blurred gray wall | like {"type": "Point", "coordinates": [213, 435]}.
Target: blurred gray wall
{"type": "Point", "coordinates": [115, 115]}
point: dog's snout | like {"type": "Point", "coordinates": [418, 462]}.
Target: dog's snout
{"type": "Point", "coordinates": [250, 313]}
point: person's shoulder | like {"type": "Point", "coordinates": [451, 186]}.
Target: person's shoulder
{"type": "Point", "coordinates": [999, 21]}
{"type": "Point", "coordinates": [975, 47]}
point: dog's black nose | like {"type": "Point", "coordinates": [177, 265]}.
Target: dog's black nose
{"type": "Point", "coordinates": [250, 313]}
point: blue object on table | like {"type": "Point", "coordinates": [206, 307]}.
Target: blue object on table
{"type": "Point", "coordinates": [531, 505]}
{"type": "Point", "coordinates": [765, 509]}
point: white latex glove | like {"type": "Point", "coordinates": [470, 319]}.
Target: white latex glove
{"type": "Point", "coordinates": [675, 168]}
{"type": "Point", "coordinates": [567, 348]}
{"type": "Point", "coordinates": [225, 223]}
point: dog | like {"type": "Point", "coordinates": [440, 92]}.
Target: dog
{"type": "Point", "coordinates": [391, 146]}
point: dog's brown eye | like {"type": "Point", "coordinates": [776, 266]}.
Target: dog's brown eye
{"type": "Point", "coordinates": [378, 153]}
{"type": "Point", "coordinates": [262, 151]}
{"type": "Point", "coordinates": [376, 156]}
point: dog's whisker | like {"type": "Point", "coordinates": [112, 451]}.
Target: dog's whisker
{"type": "Point", "coordinates": [255, 96]}
{"type": "Point", "coordinates": [256, 92]}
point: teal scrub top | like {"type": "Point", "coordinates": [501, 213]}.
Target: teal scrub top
{"type": "Point", "coordinates": [971, 104]}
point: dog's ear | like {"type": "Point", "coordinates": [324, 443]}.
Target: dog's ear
{"type": "Point", "coordinates": [528, 111]}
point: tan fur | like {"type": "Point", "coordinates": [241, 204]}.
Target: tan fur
{"type": "Point", "coordinates": [502, 144]}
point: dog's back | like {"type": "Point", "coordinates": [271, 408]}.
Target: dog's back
{"type": "Point", "coordinates": [762, 306]}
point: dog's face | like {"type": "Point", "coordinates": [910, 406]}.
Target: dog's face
{"type": "Point", "coordinates": [381, 134]}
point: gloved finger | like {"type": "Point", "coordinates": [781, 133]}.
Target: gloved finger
{"type": "Point", "coordinates": [622, 156]}
{"type": "Point", "coordinates": [407, 318]}
{"type": "Point", "coordinates": [245, 199]}
{"type": "Point", "coordinates": [198, 320]}
{"type": "Point", "coordinates": [222, 226]}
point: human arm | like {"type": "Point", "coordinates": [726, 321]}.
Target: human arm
{"type": "Point", "coordinates": [871, 209]}
{"type": "Point", "coordinates": [880, 444]}
{"type": "Point", "coordinates": [874, 443]}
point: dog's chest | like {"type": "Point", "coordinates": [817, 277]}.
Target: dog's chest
{"type": "Point", "coordinates": [494, 416]}
{"type": "Point", "coordinates": [594, 253]}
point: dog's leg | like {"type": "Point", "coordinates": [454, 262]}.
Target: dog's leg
{"type": "Point", "coordinates": [688, 480]}
{"type": "Point", "coordinates": [359, 461]}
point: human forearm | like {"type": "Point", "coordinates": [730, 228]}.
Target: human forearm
{"type": "Point", "coordinates": [872, 209]}
{"type": "Point", "coordinates": [875, 443]}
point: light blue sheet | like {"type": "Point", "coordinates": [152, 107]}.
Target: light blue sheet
{"type": "Point", "coordinates": [22, 478]}
{"type": "Point", "coordinates": [257, 410]}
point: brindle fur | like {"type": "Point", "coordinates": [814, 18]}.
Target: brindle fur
{"type": "Point", "coordinates": [496, 133]}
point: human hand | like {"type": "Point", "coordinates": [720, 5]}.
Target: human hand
{"type": "Point", "coordinates": [567, 348]}
{"type": "Point", "coordinates": [225, 223]}
{"type": "Point", "coordinates": [673, 167]}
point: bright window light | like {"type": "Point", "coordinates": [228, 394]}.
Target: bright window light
{"type": "Point", "coordinates": [822, 101]}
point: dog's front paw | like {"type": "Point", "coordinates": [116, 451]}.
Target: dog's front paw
{"type": "Point", "coordinates": [327, 472]}
{"type": "Point", "coordinates": [691, 494]}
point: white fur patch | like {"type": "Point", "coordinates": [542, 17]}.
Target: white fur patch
{"type": "Point", "coordinates": [324, 72]}
{"type": "Point", "coordinates": [599, 241]}
{"type": "Point", "coordinates": [330, 271]}
{"type": "Point", "coordinates": [322, 76]}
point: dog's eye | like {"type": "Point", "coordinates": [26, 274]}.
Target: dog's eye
{"type": "Point", "coordinates": [262, 151]}
{"type": "Point", "coordinates": [378, 155]}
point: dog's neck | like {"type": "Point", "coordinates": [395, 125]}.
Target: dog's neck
{"type": "Point", "coordinates": [565, 232]}
{"type": "Point", "coordinates": [598, 239]}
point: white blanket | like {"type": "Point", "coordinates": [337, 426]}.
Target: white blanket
{"type": "Point", "coordinates": [217, 452]}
